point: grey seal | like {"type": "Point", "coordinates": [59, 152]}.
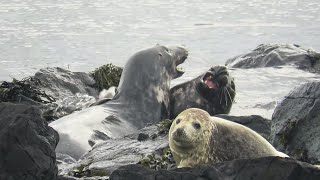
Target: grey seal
{"type": "Point", "coordinates": [213, 91]}
{"type": "Point", "coordinates": [142, 98]}
{"type": "Point", "coordinates": [195, 137]}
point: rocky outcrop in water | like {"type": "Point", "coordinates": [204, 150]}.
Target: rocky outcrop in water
{"type": "Point", "coordinates": [266, 168]}
{"type": "Point", "coordinates": [27, 144]}
{"type": "Point", "coordinates": [273, 55]}
{"type": "Point", "coordinates": [58, 92]}
{"type": "Point", "coordinates": [295, 128]}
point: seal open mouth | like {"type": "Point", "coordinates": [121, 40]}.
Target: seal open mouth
{"type": "Point", "coordinates": [208, 80]}
{"type": "Point", "coordinates": [179, 55]}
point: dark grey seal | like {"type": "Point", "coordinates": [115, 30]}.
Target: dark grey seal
{"type": "Point", "coordinates": [213, 91]}
{"type": "Point", "coordinates": [142, 98]}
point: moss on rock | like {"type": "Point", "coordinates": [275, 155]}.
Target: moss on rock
{"type": "Point", "coordinates": [106, 76]}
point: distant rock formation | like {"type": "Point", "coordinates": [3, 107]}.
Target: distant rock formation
{"type": "Point", "coordinates": [273, 55]}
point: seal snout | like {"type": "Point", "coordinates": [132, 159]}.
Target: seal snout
{"type": "Point", "coordinates": [216, 77]}
{"type": "Point", "coordinates": [179, 135]}
{"type": "Point", "coordinates": [180, 132]}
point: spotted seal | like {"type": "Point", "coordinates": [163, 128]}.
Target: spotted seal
{"type": "Point", "coordinates": [212, 91]}
{"type": "Point", "coordinates": [195, 137]}
{"type": "Point", "coordinates": [142, 98]}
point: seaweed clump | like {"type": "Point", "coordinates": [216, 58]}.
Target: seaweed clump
{"type": "Point", "coordinates": [106, 76]}
{"type": "Point", "coordinates": [84, 171]}
{"type": "Point", "coordinates": [18, 91]}
{"type": "Point", "coordinates": [156, 162]}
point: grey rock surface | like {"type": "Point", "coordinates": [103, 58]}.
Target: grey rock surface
{"type": "Point", "coordinates": [113, 153]}
{"type": "Point", "coordinates": [266, 168]}
{"type": "Point", "coordinates": [273, 55]}
{"type": "Point", "coordinates": [27, 144]}
{"type": "Point", "coordinates": [295, 128]}
{"type": "Point", "coordinates": [71, 91]}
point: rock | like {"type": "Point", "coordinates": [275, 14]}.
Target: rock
{"type": "Point", "coordinates": [254, 122]}
{"type": "Point", "coordinates": [273, 55]}
{"type": "Point", "coordinates": [266, 168]}
{"type": "Point", "coordinates": [58, 92]}
{"type": "Point", "coordinates": [113, 153]}
{"type": "Point", "coordinates": [27, 144]}
{"type": "Point", "coordinates": [295, 124]}
{"type": "Point", "coordinates": [61, 83]}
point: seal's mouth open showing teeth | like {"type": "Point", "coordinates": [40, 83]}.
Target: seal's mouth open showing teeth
{"type": "Point", "coordinates": [208, 80]}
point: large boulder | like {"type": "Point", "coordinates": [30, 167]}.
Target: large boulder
{"type": "Point", "coordinates": [55, 91]}
{"type": "Point", "coordinates": [27, 144]}
{"type": "Point", "coordinates": [295, 127]}
{"type": "Point", "coordinates": [266, 168]}
{"type": "Point", "coordinates": [272, 55]}
{"type": "Point", "coordinates": [254, 122]}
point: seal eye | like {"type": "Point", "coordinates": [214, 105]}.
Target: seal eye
{"type": "Point", "coordinates": [178, 121]}
{"type": "Point", "coordinates": [196, 125]}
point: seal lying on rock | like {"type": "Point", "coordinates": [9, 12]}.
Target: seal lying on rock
{"type": "Point", "coordinates": [213, 91]}
{"type": "Point", "coordinates": [195, 137]}
{"type": "Point", "coordinates": [142, 98]}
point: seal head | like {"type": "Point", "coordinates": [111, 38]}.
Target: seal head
{"type": "Point", "coordinates": [213, 91]}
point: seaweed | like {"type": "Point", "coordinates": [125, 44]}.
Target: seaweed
{"type": "Point", "coordinates": [84, 171]}
{"type": "Point", "coordinates": [156, 162]}
{"type": "Point", "coordinates": [106, 76]}
{"type": "Point", "coordinates": [15, 90]}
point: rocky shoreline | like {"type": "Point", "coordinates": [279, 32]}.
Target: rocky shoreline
{"type": "Point", "coordinates": [28, 143]}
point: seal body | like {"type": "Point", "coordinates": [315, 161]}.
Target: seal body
{"type": "Point", "coordinates": [197, 138]}
{"type": "Point", "coordinates": [142, 98]}
{"type": "Point", "coordinates": [213, 91]}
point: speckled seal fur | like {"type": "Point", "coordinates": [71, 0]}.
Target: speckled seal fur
{"type": "Point", "coordinates": [197, 138]}
{"type": "Point", "coordinates": [142, 98]}
{"type": "Point", "coordinates": [213, 91]}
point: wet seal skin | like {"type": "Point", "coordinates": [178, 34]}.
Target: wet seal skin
{"type": "Point", "coordinates": [213, 91]}
{"type": "Point", "coordinates": [142, 98]}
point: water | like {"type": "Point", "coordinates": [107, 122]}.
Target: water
{"type": "Point", "coordinates": [84, 34]}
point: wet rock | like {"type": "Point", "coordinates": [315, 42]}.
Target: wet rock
{"type": "Point", "coordinates": [273, 55]}
{"type": "Point", "coordinates": [113, 153]}
{"type": "Point", "coordinates": [143, 137]}
{"type": "Point", "coordinates": [27, 144]}
{"type": "Point", "coordinates": [295, 127]}
{"type": "Point", "coordinates": [254, 122]}
{"type": "Point", "coordinates": [266, 168]}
